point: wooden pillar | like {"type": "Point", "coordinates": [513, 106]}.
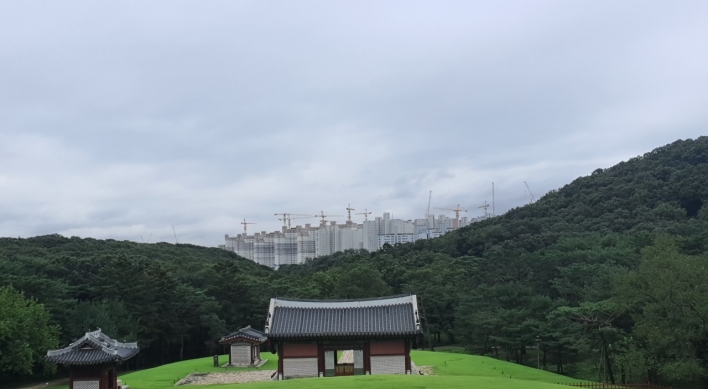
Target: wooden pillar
{"type": "Point", "coordinates": [71, 378]}
{"type": "Point", "coordinates": [407, 350]}
{"type": "Point", "coordinates": [367, 358]}
{"type": "Point", "coordinates": [229, 353]}
{"type": "Point", "coordinates": [281, 373]}
{"type": "Point", "coordinates": [103, 378]}
{"type": "Point", "coordinates": [320, 359]}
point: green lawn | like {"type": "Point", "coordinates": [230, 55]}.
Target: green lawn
{"type": "Point", "coordinates": [453, 371]}
{"type": "Point", "coordinates": [165, 376]}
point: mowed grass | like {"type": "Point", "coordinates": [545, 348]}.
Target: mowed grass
{"type": "Point", "coordinates": [452, 371]}
{"type": "Point", "coordinates": [166, 375]}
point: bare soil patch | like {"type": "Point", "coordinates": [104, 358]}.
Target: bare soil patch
{"type": "Point", "coordinates": [226, 378]}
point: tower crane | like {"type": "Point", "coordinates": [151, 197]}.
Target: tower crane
{"type": "Point", "coordinates": [457, 213]}
{"type": "Point", "coordinates": [245, 226]}
{"type": "Point", "coordinates": [349, 214]}
{"type": "Point", "coordinates": [533, 199]}
{"type": "Point", "coordinates": [485, 206]}
{"type": "Point", "coordinates": [366, 214]}
{"type": "Point", "coordinates": [287, 216]}
{"type": "Point", "coordinates": [430, 197]}
{"type": "Point", "coordinates": [300, 217]}
{"type": "Point", "coordinates": [323, 216]}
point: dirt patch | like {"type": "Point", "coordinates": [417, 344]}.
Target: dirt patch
{"type": "Point", "coordinates": [426, 370]}
{"type": "Point", "coordinates": [226, 378]}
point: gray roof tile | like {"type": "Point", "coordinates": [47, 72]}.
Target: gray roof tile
{"type": "Point", "coordinates": [246, 332]}
{"type": "Point", "coordinates": [392, 316]}
{"type": "Point", "coordinates": [93, 348]}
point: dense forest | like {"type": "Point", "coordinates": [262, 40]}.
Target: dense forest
{"type": "Point", "coordinates": [608, 275]}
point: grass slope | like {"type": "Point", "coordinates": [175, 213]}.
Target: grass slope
{"type": "Point", "coordinates": [165, 376]}
{"type": "Point", "coordinates": [453, 371]}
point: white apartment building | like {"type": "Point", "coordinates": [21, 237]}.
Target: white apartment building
{"type": "Point", "coordinates": [297, 245]}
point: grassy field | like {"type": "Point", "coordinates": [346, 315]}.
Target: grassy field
{"type": "Point", "coordinates": [453, 370]}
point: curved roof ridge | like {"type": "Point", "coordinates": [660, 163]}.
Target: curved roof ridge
{"type": "Point", "coordinates": [103, 349]}
{"type": "Point", "coordinates": [344, 300]}
{"type": "Point", "coordinates": [329, 304]}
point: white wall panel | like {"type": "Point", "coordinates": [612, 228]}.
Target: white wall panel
{"type": "Point", "coordinates": [329, 360]}
{"type": "Point", "coordinates": [388, 365]}
{"type": "Point", "coordinates": [240, 354]}
{"type": "Point", "coordinates": [358, 359]}
{"type": "Point", "coordinates": [85, 384]}
{"type": "Point", "coordinates": [300, 367]}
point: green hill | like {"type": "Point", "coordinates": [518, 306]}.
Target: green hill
{"type": "Point", "coordinates": [451, 371]}
{"type": "Point", "coordinates": [605, 271]}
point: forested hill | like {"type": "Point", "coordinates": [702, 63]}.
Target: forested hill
{"type": "Point", "coordinates": [608, 271]}
{"type": "Point", "coordinates": [176, 300]}
{"type": "Point", "coordinates": [663, 190]}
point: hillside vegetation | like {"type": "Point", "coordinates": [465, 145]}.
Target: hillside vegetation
{"type": "Point", "coordinates": [608, 272]}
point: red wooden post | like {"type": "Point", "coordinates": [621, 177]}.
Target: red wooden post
{"type": "Point", "coordinates": [280, 360]}
{"type": "Point", "coordinates": [320, 359]}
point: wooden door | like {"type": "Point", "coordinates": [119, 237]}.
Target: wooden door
{"type": "Point", "coordinates": [344, 369]}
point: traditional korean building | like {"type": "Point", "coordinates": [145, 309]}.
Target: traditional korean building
{"type": "Point", "coordinates": [245, 346]}
{"type": "Point", "coordinates": [306, 335]}
{"type": "Point", "coordinates": [93, 359]}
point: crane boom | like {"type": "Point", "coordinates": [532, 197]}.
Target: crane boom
{"type": "Point", "coordinates": [533, 199]}
{"type": "Point", "coordinates": [299, 217]}
{"type": "Point", "coordinates": [287, 216]}
{"type": "Point", "coordinates": [323, 216]}
{"type": "Point", "coordinates": [485, 206]}
{"type": "Point", "coordinates": [366, 214]}
{"type": "Point", "coordinates": [430, 197]}
{"type": "Point", "coordinates": [457, 213]}
{"type": "Point", "coordinates": [245, 226]}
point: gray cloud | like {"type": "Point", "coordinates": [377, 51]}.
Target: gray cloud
{"type": "Point", "coordinates": [120, 120]}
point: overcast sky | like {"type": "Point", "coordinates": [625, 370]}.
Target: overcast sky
{"type": "Point", "coordinates": [121, 119]}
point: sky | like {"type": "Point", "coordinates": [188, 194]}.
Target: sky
{"type": "Point", "coordinates": [123, 119]}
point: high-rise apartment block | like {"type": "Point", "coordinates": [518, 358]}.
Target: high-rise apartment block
{"type": "Point", "coordinates": [296, 245]}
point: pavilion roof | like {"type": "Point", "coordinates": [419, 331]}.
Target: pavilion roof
{"type": "Point", "coordinates": [93, 348]}
{"type": "Point", "coordinates": [246, 333]}
{"type": "Point", "coordinates": [379, 317]}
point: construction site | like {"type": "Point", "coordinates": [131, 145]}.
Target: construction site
{"type": "Point", "coordinates": [297, 244]}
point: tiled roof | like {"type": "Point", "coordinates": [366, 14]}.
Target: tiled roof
{"type": "Point", "coordinates": [389, 316]}
{"type": "Point", "coordinates": [247, 333]}
{"type": "Point", "coordinates": [93, 348]}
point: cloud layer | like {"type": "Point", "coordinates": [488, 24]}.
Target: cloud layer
{"type": "Point", "coordinates": [119, 120]}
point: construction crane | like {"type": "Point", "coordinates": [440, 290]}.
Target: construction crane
{"type": "Point", "coordinates": [430, 197]}
{"type": "Point", "coordinates": [485, 206]}
{"type": "Point", "coordinates": [494, 203]}
{"type": "Point", "coordinates": [366, 214]}
{"type": "Point", "coordinates": [349, 214]}
{"type": "Point", "coordinates": [287, 216]}
{"type": "Point", "coordinates": [301, 217]}
{"type": "Point", "coordinates": [323, 216]}
{"type": "Point", "coordinates": [457, 213]}
{"type": "Point", "coordinates": [533, 199]}
{"type": "Point", "coordinates": [245, 226]}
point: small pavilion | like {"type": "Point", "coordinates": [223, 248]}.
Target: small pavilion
{"type": "Point", "coordinates": [93, 360]}
{"type": "Point", "coordinates": [245, 346]}
{"type": "Point", "coordinates": [306, 335]}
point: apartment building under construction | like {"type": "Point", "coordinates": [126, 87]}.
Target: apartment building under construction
{"type": "Point", "coordinates": [301, 243]}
